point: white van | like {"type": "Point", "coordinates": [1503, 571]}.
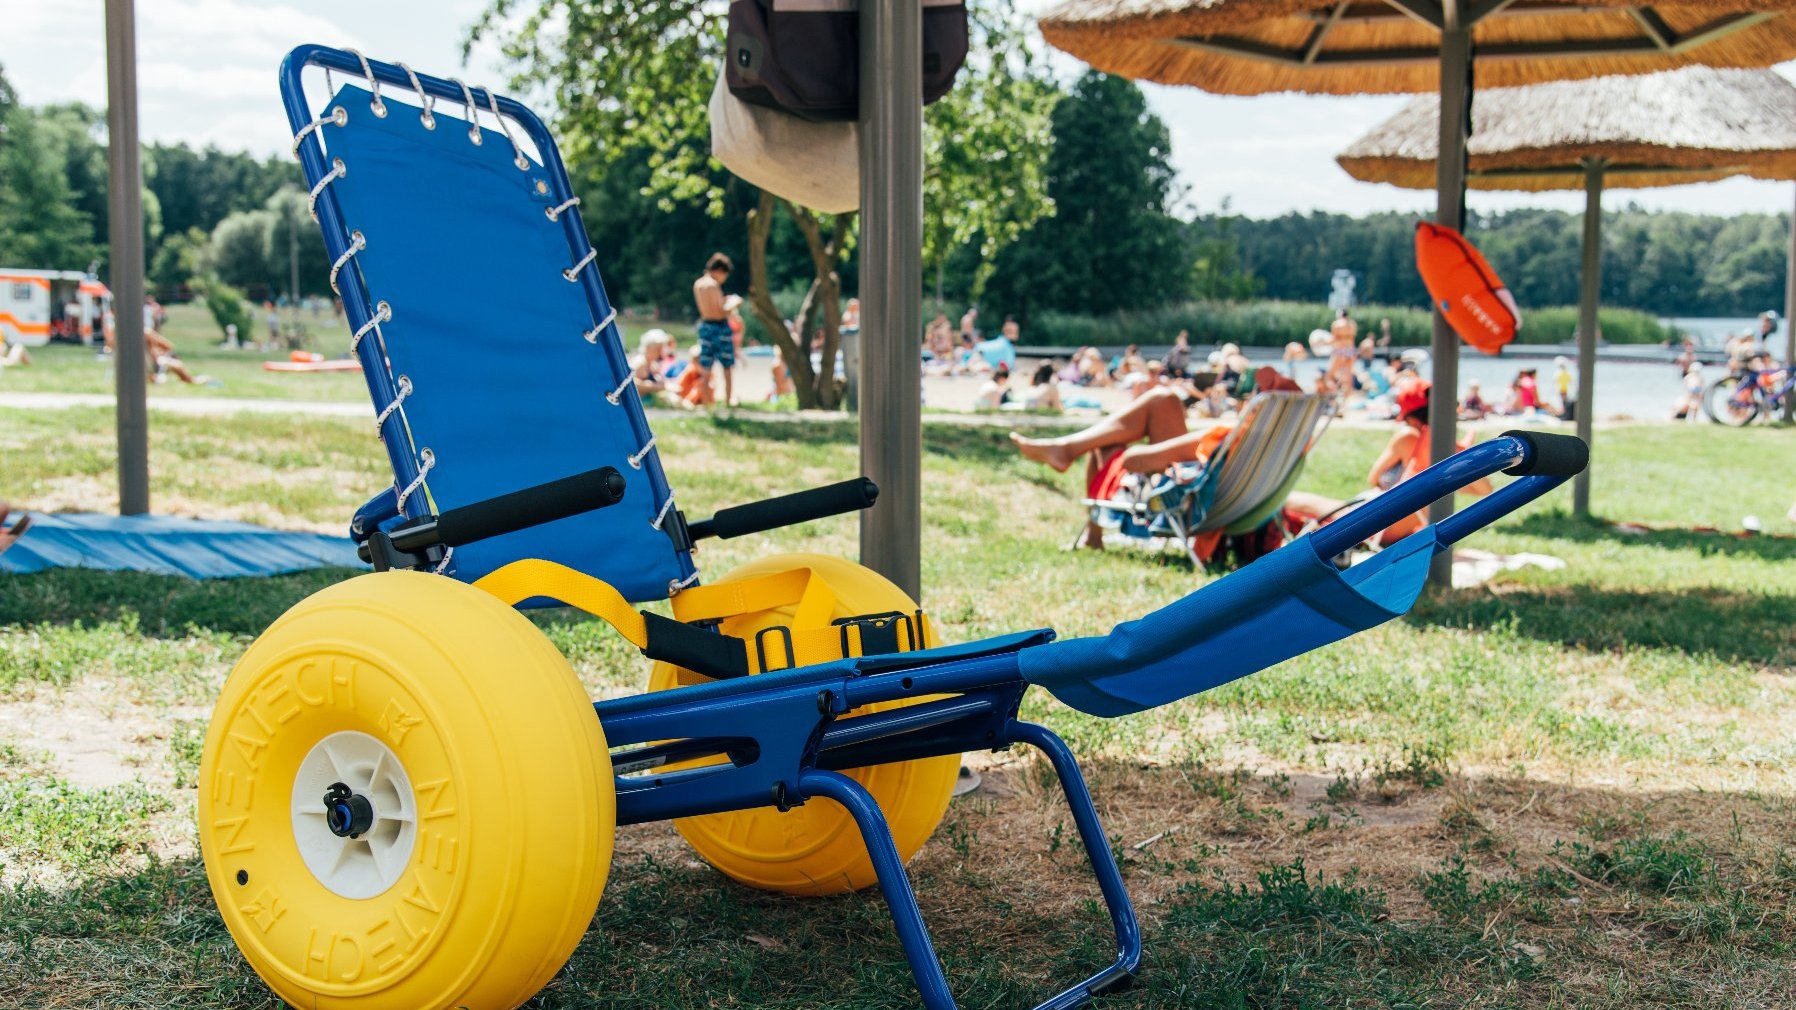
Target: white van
{"type": "Point", "coordinates": [37, 306]}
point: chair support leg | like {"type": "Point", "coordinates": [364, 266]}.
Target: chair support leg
{"type": "Point", "coordinates": [907, 918]}
{"type": "Point", "coordinates": [894, 883]}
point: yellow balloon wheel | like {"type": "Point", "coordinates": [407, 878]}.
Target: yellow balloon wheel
{"type": "Point", "coordinates": [816, 849]}
{"type": "Point", "coordinates": [457, 739]}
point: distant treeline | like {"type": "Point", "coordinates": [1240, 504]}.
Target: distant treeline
{"type": "Point", "coordinates": [1270, 323]}
{"type": "Point", "coordinates": [1112, 249]}
{"type": "Point", "coordinates": [1666, 263]}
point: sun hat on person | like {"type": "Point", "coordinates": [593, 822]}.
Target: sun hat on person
{"type": "Point", "coordinates": [1321, 342]}
{"type": "Point", "coordinates": [1413, 396]}
{"type": "Point", "coordinates": [1414, 356]}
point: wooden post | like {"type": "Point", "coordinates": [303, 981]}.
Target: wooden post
{"type": "Point", "coordinates": [1449, 180]}
{"type": "Point", "coordinates": [1589, 292]}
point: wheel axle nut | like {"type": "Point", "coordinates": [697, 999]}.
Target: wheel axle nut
{"type": "Point", "coordinates": [348, 814]}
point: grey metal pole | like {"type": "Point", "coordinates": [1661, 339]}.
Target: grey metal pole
{"type": "Point", "coordinates": [1449, 181]}
{"type": "Point", "coordinates": [891, 399]}
{"type": "Point", "coordinates": [1590, 287]}
{"type": "Point", "coordinates": [1789, 322]}
{"type": "Point", "coordinates": [126, 238]}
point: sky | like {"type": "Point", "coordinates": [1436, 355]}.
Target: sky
{"type": "Point", "coordinates": [207, 76]}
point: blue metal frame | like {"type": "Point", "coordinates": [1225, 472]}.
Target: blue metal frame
{"type": "Point", "coordinates": [781, 738]}
{"type": "Point", "coordinates": [356, 301]}
{"type": "Point", "coordinates": [784, 738]}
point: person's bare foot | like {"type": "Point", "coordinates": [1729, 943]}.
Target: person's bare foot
{"type": "Point", "coordinates": [1043, 450]}
{"type": "Point", "coordinates": [1094, 537]}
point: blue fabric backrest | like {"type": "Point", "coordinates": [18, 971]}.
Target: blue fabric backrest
{"type": "Point", "coordinates": [506, 390]}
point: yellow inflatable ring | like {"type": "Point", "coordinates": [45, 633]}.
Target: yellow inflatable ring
{"type": "Point", "coordinates": [815, 849]}
{"type": "Point", "coordinates": [447, 729]}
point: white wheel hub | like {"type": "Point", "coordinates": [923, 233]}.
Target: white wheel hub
{"type": "Point", "coordinates": [369, 862]}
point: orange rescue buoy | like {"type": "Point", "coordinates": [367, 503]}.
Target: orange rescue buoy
{"type": "Point", "coordinates": [1464, 287]}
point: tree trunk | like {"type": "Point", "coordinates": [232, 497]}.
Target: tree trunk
{"type": "Point", "coordinates": [822, 307]}
{"type": "Point", "coordinates": [760, 300]}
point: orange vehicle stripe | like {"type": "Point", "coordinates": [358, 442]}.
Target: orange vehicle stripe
{"type": "Point", "coordinates": [22, 326]}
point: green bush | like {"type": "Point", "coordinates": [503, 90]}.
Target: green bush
{"type": "Point", "coordinates": [1276, 323]}
{"type": "Point", "coordinates": [227, 306]}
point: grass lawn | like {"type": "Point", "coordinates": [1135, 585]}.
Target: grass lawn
{"type": "Point", "coordinates": [1562, 788]}
{"type": "Point", "coordinates": [67, 368]}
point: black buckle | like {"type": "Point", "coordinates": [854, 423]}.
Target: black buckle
{"type": "Point", "coordinates": [761, 647]}
{"type": "Point", "coordinates": [879, 633]}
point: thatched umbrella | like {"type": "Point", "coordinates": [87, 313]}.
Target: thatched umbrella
{"type": "Point", "coordinates": [1683, 126]}
{"type": "Point", "coordinates": [1347, 47]}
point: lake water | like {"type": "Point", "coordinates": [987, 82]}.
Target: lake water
{"type": "Point", "coordinates": [1643, 390]}
{"type": "Point", "coordinates": [1713, 331]}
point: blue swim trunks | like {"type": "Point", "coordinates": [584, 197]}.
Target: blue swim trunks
{"type": "Point", "coordinates": [716, 344]}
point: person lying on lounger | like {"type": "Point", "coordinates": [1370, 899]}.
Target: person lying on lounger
{"type": "Point", "coordinates": [1148, 435]}
{"type": "Point", "coordinates": [1404, 456]}
{"type": "Point", "coordinates": [11, 535]}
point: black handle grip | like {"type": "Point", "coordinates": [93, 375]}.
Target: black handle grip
{"type": "Point", "coordinates": [773, 513]}
{"type": "Point", "coordinates": [1552, 456]}
{"type": "Point", "coordinates": [517, 510]}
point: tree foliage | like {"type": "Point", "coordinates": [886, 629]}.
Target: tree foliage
{"type": "Point", "coordinates": [40, 222]}
{"type": "Point", "coordinates": [985, 147]}
{"type": "Point", "coordinates": [1110, 243]}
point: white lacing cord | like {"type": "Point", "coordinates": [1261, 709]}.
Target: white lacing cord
{"type": "Point", "coordinates": [380, 420]}
{"type": "Point", "coordinates": [356, 244]}
{"type": "Point", "coordinates": [661, 516]}
{"type": "Point", "coordinates": [675, 585]}
{"type": "Point", "coordinates": [592, 335]}
{"type": "Point", "coordinates": [517, 153]}
{"type": "Point", "coordinates": [383, 313]}
{"type": "Point", "coordinates": [554, 213]}
{"type": "Point", "coordinates": [443, 565]}
{"type": "Point", "coordinates": [573, 273]}
{"type": "Point", "coordinates": [642, 453]}
{"type": "Point", "coordinates": [426, 459]}
{"type": "Point", "coordinates": [473, 111]}
{"type": "Point", "coordinates": [379, 107]}
{"type": "Point", "coordinates": [337, 117]}
{"type": "Point", "coordinates": [426, 117]}
{"type": "Point", "coordinates": [615, 397]}
{"type": "Point", "coordinates": [338, 171]}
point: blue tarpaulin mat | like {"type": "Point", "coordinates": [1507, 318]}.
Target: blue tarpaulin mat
{"type": "Point", "coordinates": [165, 545]}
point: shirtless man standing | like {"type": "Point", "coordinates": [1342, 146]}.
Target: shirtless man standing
{"type": "Point", "coordinates": [716, 344]}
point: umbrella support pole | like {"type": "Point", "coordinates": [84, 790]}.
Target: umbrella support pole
{"type": "Point", "coordinates": [1789, 323]}
{"type": "Point", "coordinates": [1450, 173]}
{"type": "Point", "coordinates": [891, 251]}
{"type": "Point", "coordinates": [126, 234]}
{"type": "Point", "coordinates": [1589, 289]}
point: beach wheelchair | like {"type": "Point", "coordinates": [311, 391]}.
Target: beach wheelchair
{"type": "Point", "coordinates": [407, 798]}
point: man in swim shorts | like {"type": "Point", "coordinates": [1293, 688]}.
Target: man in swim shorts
{"type": "Point", "coordinates": [716, 344]}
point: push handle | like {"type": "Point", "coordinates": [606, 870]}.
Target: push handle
{"type": "Point", "coordinates": [508, 513]}
{"type": "Point", "coordinates": [1549, 455]}
{"type": "Point", "coordinates": [1543, 461]}
{"type": "Point", "coordinates": [787, 510]}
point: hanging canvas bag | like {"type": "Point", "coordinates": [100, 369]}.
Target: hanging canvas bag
{"type": "Point", "coordinates": [803, 56]}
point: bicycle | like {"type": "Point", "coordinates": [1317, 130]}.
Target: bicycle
{"type": "Point", "coordinates": [1742, 397]}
